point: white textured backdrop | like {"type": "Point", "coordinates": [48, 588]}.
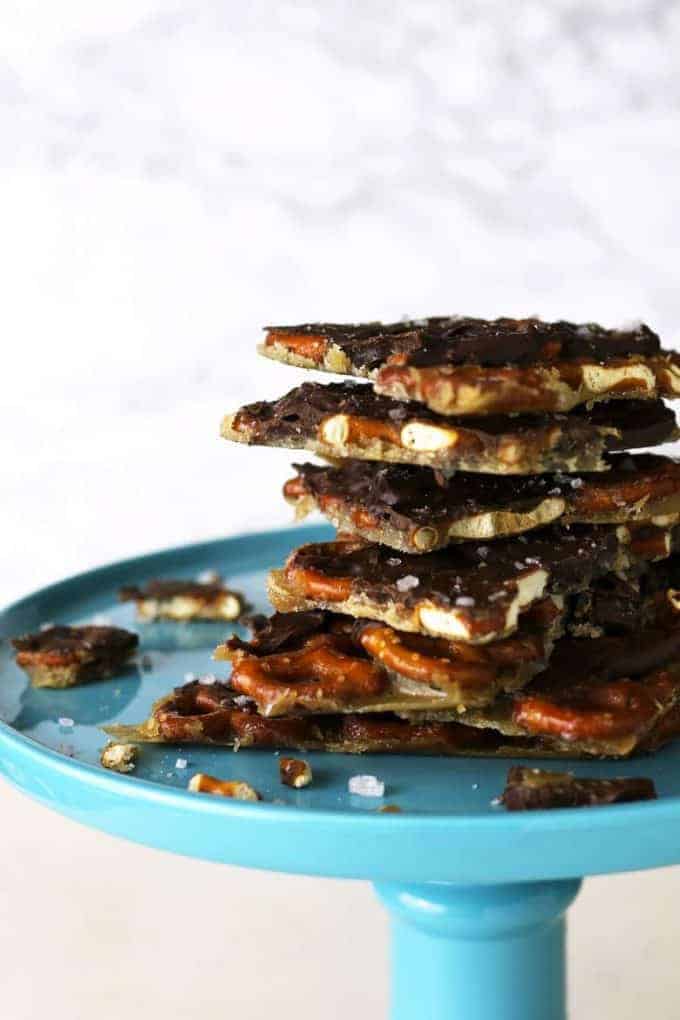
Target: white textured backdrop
{"type": "Point", "coordinates": [174, 175]}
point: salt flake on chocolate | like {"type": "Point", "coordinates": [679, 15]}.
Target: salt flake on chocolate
{"type": "Point", "coordinates": [407, 583]}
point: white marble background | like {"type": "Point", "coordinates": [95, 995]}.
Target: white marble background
{"type": "Point", "coordinates": [174, 175]}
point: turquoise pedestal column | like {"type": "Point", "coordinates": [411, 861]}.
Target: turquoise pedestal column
{"type": "Point", "coordinates": [492, 952]}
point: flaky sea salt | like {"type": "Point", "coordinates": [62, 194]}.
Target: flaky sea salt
{"type": "Point", "coordinates": [407, 583]}
{"type": "Point", "coordinates": [66, 723]}
{"type": "Point", "coordinates": [366, 786]}
{"type": "Point", "coordinates": [577, 483]}
{"type": "Point", "coordinates": [181, 763]}
{"type": "Point", "coordinates": [241, 701]}
{"type": "Point", "coordinates": [633, 326]}
{"type": "Point", "coordinates": [393, 561]}
{"type": "Point", "coordinates": [465, 600]}
{"type": "Point", "coordinates": [483, 552]}
{"type": "Point", "coordinates": [208, 678]}
{"type": "Point", "coordinates": [208, 577]}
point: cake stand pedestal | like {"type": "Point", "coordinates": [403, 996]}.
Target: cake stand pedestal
{"type": "Point", "coordinates": [478, 952]}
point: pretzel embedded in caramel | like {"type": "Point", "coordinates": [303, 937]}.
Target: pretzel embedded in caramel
{"type": "Point", "coordinates": [185, 717]}
{"type": "Point", "coordinates": [593, 713]}
{"type": "Point", "coordinates": [340, 666]}
{"type": "Point", "coordinates": [207, 713]}
{"type": "Point", "coordinates": [323, 673]}
{"type": "Point", "coordinates": [436, 662]}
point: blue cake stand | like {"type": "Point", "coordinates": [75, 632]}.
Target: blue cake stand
{"type": "Point", "coordinates": [477, 897]}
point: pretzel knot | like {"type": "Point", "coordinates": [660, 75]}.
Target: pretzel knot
{"type": "Point", "coordinates": [594, 712]}
{"type": "Point", "coordinates": [437, 662]}
{"type": "Point", "coordinates": [324, 670]}
{"type": "Point", "coordinates": [205, 713]}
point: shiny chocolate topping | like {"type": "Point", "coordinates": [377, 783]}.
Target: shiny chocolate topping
{"type": "Point", "coordinates": [471, 575]}
{"type": "Point", "coordinates": [281, 631]}
{"type": "Point", "coordinates": [460, 340]}
{"type": "Point", "coordinates": [97, 640]}
{"type": "Point", "coordinates": [407, 494]}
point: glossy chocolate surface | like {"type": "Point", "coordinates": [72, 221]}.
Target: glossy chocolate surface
{"type": "Point", "coordinates": [478, 574]}
{"type": "Point", "coordinates": [406, 495]}
{"type": "Point", "coordinates": [91, 640]}
{"type": "Point", "coordinates": [459, 340]}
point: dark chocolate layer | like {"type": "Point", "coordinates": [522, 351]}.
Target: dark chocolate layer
{"type": "Point", "coordinates": [405, 494]}
{"type": "Point", "coordinates": [96, 641]}
{"type": "Point", "coordinates": [281, 631]}
{"type": "Point", "coordinates": [459, 340]}
{"type": "Point", "coordinates": [481, 573]}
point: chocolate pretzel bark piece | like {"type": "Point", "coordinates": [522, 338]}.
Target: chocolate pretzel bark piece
{"type": "Point", "coordinates": [184, 600]}
{"type": "Point", "coordinates": [466, 592]}
{"type": "Point", "coordinates": [211, 714]}
{"type": "Point", "coordinates": [341, 420]}
{"type": "Point", "coordinates": [64, 656]}
{"type": "Point", "coordinates": [535, 789]}
{"type": "Point", "coordinates": [460, 366]}
{"type": "Point", "coordinates": [416, 510]}
{"type": "Point", "coordinates": [317, 662]}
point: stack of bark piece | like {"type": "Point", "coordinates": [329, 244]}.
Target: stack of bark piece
{"type": "Point", "coordinates": [503, 578]}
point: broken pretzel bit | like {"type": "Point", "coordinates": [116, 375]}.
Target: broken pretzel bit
{"type": "Point", "coordinates": [234, 788]}
{"type": "Point", "coordinates": [295, 772]}
{"type": "Point", "coordinates": [119, 757]}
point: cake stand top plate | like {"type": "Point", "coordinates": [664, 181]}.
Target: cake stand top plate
{"type": "Point", "coordinates": [448, 831]}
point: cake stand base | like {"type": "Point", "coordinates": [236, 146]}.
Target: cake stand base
{"type": "Point", "coordinates": [492, 952]}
